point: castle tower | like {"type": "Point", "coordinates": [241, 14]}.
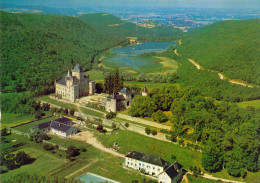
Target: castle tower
{"type": "Point", "coordinates": [145, 92]}
{"type": "Point", "coordinates": [113, 103]}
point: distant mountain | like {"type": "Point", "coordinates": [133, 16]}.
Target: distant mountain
{"type": "Point", "coordinates": [231, 47]}
{"type": "Point", "coordinates": [38, 48]}
{"type": "Point", "coordinates": [111, 25]}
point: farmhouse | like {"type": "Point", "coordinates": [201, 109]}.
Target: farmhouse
{"type": "Point", "coordinates": [122, 100]}
{"type": "Point", "coordinates": [62, 127]}
{"type": "Point", "coordinates": [74, 85]}
{"type": "Point", "coordinates": [156, 166]}
{"type": "Point", "coordinates": [149, 164]}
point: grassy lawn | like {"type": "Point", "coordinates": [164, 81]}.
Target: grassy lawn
{"type": "Point", "coordinates": [71, 106]}
{"type": "Point", "coordinates": [132, 141]}
{"type": "Point", "coordinates": [10, 119]}
{"type": "Point", "coordinates": [25, 128]}
{"type": "Point", "coordinates": [149, 85]}
{"type": "Point", "coordinates": [254, 103]}
{"type": "Point", "coordinates": [96, 75]}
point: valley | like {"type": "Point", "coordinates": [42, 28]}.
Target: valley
{"type": "Point", "coordinates": [95, 95]}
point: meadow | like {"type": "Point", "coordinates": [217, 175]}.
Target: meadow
{"type": "Point", "coordinates": [10, 119]}
{"type": "Point", "coordinates": [128, 141]}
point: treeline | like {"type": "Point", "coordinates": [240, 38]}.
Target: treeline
{"type": "Point", "coordinates": [231, 47]}
{"type": "Point", "coordinates": [229, 134]}
{"type": "Point", "coordinates": [112, 25]}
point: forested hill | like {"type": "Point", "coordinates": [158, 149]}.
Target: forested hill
{"type": "Point", "coordinates": [112, 25]}
{"type": "Point", "coordinates": [36, 49]}
{"type": "Point", "coordinates": [231, 47]}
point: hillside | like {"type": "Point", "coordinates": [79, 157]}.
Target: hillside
{"type": "Point", "coordinates": [230, 47]}
{"type": "Point", "coordinates": [36, 49]}
{"type": "Point", "coordinates": [112, 25]}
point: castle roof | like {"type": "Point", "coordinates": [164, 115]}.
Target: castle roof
{"type": "Point", "coordinates": [62, 81]}
{"type": "Point", "coordinates": [125, 91]}
{"type": "Point", "coordinates": [77, 68]}
{"type": "Point", "coordinates": [147, 158]}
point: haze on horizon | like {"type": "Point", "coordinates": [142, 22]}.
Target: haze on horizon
{"type": "Point", "coordinates": [229, 4]}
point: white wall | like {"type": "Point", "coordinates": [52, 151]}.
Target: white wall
{"type": "Point", "coordinates": [149, 168]}
{"type": "Point", "coordinates": [164, 178]}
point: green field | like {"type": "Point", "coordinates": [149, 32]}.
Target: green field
{"type": "Point", "coordinates": [10, 119]}
{"type": "Point", "coordinates": [132, 141]}
{"type": "Point", "coordinates": [254, 103]}
{"type": "Point", "coordinates": [96, 75]}
{"type": "Point", "coordinates": [25, 128]}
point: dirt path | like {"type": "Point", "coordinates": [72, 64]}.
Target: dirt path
{"type": "Point", "coordinates": [176, 53]}
{"type": "Point", "coordinates": [207, 176]}
{"type": "Point", "coordinates": [81, 169]}
{"type": "Point", "coordinates": [221, 76]}
{"type": "Point", "coordinates": [143, 121]}
{"type": "Point", "coordinates": [89, 138]}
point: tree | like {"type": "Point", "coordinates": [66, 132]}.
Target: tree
{"type": "Point", "coordinates": [173, 138]}
{"type": "Point", "coordinates": [159, 116]}
{"type": "Point", "coordinates": [212, 159]}
{"type": "Point", "coordinates": [154, 132]}
{"type": "Point", "coordinates": [4, 132]}
{"type": "Point", "coordinates": [22, 158]}
{"type": "Point", "coordinates": [72, 111]}
{"type": "Point", "coordinates": [126, 125]}
{"type": "Point", "coordinates": [142, 106]}
{"type": "Point", "coordinates": [72, 151]}
{"type": "Point", "coordinates": [147, 130]}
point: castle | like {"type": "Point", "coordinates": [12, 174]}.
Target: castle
{"type": "Point", "coordinates": [122, 100]}
{"type": "Point", "coordinates": [74, 85]}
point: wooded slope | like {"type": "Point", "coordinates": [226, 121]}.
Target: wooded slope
{"type": "Point", "coordinates": [231, 47]}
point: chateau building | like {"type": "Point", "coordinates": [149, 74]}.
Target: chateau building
{"type": "Point", "coordinates": [74, 85]}
{"type": "Point", "coordinates": [122, 100]}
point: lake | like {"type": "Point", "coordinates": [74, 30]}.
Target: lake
{"type": "Point", "coordinates": [145, 47]}
{"type": "Point", "coordinates": [127, 57]}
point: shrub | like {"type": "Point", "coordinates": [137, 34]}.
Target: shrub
{"type": "Point", "coordinates": [126, 125]}
{"type": "Point", "coordinates": [113, 125]}
{"type": "Point", "coordinates": [147, 130]}
{"type": "Point", "coordinates": [154, 132]}
{"type": "Point", "coordinates": [48, 147]}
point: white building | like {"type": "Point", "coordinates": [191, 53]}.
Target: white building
{"type": "Point", "coordinates": [62, 127]}
{"type": "Point", "coordinates": [150, 164]}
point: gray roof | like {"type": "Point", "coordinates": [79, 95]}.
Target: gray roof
{"type": "Point", "coordinates": [62, 81]}
{"type": "Point", "coordinates": [56, 124]}
{"type": "Point", "coordinates": [174, 170]}
{"type": "Point", "coordinates": [125, 91]}
{"type": "Point", "coordinates": [147, 158]}
{"type": "Point", "coordinates": [63, 120]}
{"type": "Point", "coordinates": [44, 125]}
{"type": "Point", "coordinates": [59, 126]}
{"type": "Point", "coordinates": [77, 68]}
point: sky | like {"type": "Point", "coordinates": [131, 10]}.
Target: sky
{"type": "Point", "coordinates": [233, 4]}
